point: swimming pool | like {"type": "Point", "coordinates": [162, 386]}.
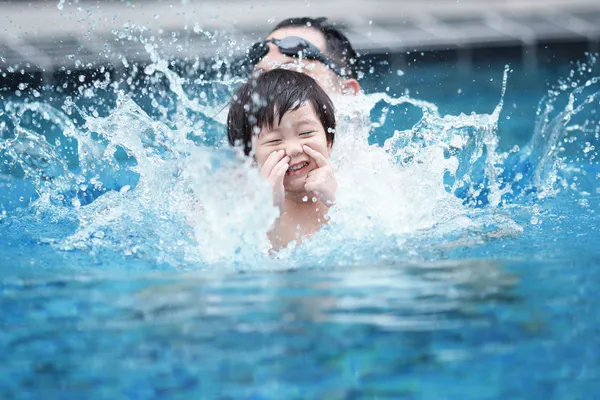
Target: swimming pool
{"type": "Point", "coordinates": [463, 268]}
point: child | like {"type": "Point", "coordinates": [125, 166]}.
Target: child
{"type": "Point", "coordinates": [286, 122]}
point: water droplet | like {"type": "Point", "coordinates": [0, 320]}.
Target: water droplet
{"type": "Point", "coordinates": [305, 198]}
{"type": "Point", "coordinates": [60, 4]}
{"type": "Point", "coordinates": [149, 70]}
{"type": "Point", "coordinates": [518, 177]}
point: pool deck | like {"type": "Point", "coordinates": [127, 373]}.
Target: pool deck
{"type": "Point", "coordinates": [44, 35]}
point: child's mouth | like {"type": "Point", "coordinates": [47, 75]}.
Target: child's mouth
{"type": "Point", "coordinates": [297, 169]}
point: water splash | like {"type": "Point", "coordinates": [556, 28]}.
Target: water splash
{"type": "Point", "coordinates": [557, 127]}
{"type": "Point", "coordinates": [150, 185]}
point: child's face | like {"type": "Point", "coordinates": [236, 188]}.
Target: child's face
{"type": "Point", "coordinates": [297, 128]}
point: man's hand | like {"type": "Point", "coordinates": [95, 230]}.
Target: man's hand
{"type": "Point", "coordinates": [321, 181]}
{"type": "Point", "coordinates": [274, 170]}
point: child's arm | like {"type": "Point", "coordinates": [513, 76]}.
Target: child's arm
{"type": "Point", "coordinates": [321, 181]}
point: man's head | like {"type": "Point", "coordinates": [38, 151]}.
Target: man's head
{"type": "Point", "coordinates": [335, 71]}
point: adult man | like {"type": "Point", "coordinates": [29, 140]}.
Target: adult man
{"type": "Point", "coordinates": [311, 46]}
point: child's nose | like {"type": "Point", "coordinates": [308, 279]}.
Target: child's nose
{"type": "Point", "coordinates": [293, 148]}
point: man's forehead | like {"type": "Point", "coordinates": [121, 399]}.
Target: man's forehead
{"type": "Point", "coordinates": [311, 34]}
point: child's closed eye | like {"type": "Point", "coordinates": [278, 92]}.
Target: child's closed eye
{"type": "Point", "coordinates": [307, 133]}
{"type": "Point", "coordinates": [273, 142]}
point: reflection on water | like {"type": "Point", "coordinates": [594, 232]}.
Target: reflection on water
{"type": "Point", "coordinates": [243, 317]}
{"type": "Point", "coordinates": [367, 330]}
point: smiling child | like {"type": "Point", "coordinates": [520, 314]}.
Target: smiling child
{"type": "Point", "coordinates": [286, 122]}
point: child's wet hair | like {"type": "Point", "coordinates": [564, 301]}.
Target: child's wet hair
{"type": "Point", "coordinates": [257, 103]}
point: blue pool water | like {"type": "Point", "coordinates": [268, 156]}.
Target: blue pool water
{"type": "Point", "coordinates": [463, 260]}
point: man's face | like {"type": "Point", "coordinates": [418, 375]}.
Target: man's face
{"type": "Point", "coordinates": [325, 77]}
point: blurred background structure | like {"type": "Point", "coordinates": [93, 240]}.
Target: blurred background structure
{"type": "Point", "coordinates": [42, 38]}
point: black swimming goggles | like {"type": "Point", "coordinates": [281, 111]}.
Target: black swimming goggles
{"type": "Point", "coordinates": [291, 46]}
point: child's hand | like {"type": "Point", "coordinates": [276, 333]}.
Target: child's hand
{"type": "Point", "coordinates": [321, 181]}
{"type": "Point", "coordinates": [274, 170]}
